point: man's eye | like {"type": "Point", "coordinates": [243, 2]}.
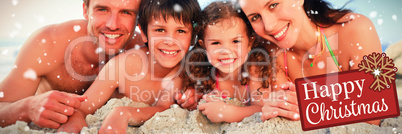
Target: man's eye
{"type": "Point", "coordinates": [125, 12]}
{"type": "Point", "coordinates": [102, 10]}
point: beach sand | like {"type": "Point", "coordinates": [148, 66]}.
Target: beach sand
{"type": "Point", "coordinates": [178, 120]}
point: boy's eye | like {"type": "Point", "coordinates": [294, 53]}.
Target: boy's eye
{"type": "Point", "coordinates": [160, 30]}
{"type": "Point", "coordinates": [181, 31]}
{"type": "Point", "coordinates": [272, 6]}
{"type": "Point", "coordinates": [255, 18]}
{"type": "Point", "coordinates": [215, 43]}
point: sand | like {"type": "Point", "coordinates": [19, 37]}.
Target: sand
{"type": "Point", "coordinates": [178, 120]}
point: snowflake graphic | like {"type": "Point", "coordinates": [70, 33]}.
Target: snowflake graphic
{"type": "Point", "coordinates": [381, 67]}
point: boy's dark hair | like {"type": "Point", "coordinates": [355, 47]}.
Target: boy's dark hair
{"type": "Point", "coordinates": [202, 75]}
{"type": "Point", "coordinates": [153, 9]}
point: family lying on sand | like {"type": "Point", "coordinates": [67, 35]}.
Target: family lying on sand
{"type": "Point", "coordinates": [249, 50]}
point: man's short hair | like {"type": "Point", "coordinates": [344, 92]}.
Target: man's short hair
{"type": "Point", "coordinates": [86, 2]}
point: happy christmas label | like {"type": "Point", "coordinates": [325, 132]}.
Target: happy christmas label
{"type": "Point", "coordinates": [365, 94]}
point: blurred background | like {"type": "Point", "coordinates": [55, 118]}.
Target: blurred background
{"type": "Point", "coordinates": [20, 18]}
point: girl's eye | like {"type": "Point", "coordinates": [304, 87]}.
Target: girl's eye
{"type": "Point", "coordinates": [215, 43]}
{"type": "Point", "coordinates": [272, 6]}
{"type": "Point", "coordinates": [181, 31]}
{"type": "Point", "coordinates": [160, 30]}
{"type": "Point", "coordinates": [236, 41]}
{"type": "Point", "coordinates": [255, 18]}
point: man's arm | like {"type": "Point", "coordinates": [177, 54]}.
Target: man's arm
{"type": "Point", "coordinates": [22, 82]}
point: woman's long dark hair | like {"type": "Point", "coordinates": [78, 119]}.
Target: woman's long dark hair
{"type": "Point", "coordinates": [323, 14]}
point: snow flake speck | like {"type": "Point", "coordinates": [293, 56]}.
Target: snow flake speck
{"type": "Point", "coordinates": [14, 2]}
{"type": "Point", "coordinates": [351, 63]}
{"type": "Point", "coordinates": [380, 21]}
{"type": "Point", "coordinates": [373, 14]}
{"type": "Point", "coordinates": [98, 50]}
{"type": "Point", "coordinates": [77, 28]}
{"type": "Point", "coordinates": [394, 17]}
{"type": "Point", "coordinates": [321, 65]}
{"type": "Point", "coordinates": [177, 8]}
{"type": "Point", "coordinates": [30, 74]}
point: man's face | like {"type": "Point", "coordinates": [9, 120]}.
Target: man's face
{"type": "Point", "coordinates": [112, 22]}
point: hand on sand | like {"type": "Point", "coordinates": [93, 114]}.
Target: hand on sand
{"type": "Point", "coordinates": [74, 124]}
{"type": "Point", "coordinates": [281, 103]}
{"type": "Point", "coordinates": [52, 109]}
{"type": "Point", "coordinates": [189, 99]}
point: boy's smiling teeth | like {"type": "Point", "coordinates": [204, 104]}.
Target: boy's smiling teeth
{"type": "Point", "coordinates": [227, 60]}
{"type": "Point", "coordinates": [169, 52]}
{"type": "Point", "coordinates": [112, 36]}
{"type": "Point", "coordinates": [281, 33]}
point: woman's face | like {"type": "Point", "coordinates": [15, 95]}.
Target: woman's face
{"type": "Point", "coordinates": [279, 21]}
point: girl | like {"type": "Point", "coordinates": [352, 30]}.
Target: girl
{"type": "Point", "coordinates": [218, 63]}
{"type": "Point", "coordinates": [312, 35]}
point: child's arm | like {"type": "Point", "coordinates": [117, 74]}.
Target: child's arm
{"type": "Point", "coordinates": [97, 95]}
{"type": "Point", "coordinates": [219, 111]}
{"type": "Point", "coordinates": [120, 117]}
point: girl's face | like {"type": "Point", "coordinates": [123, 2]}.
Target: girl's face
{"type": "Point", "coordinates": [279, 21]}
{"type": "Point", "coordinates": [168, 41]}
{"type": "Point", "coordinates": [227, 44]}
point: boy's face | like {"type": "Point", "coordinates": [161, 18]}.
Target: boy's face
{"type": "Point", "coordinates": [227, 44]}
{"type": "Point", "coordinates": [112, 22]}
{"type": "Point", "coordinates": [168, 40]}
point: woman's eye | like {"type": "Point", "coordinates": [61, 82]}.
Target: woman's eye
{"type": "Point", "coordinates": [255, 18]}
{"type": "Point", "coordinates": [272, 6]}
{"type": "Point", "coordinates": [160, 30]}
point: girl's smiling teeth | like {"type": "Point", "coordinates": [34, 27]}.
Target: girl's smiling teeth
{"type": "Point", "coordinates": [281, 33]}
{"type": "Point", "coordinates": [169, 52]}
{"type": "Point", "coordinates": [112, 36]}
{"type": "Point", "coordinates": [227, 61]}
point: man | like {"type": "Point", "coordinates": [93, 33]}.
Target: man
{"type": "Point", "coordinates": [64, 59]}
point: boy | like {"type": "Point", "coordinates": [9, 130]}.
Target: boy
{"type": "Point", "coordinates": [145, 74]}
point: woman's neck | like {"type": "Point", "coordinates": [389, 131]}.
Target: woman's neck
{"type": "Point", "coordinates": [307, 39]}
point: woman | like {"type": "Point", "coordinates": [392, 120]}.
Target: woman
{"type": "Point", "coordinates": [315, 38]}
